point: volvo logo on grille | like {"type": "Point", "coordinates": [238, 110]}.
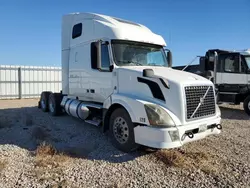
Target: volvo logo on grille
{"type": "Point", "coordinates": [201, 100]}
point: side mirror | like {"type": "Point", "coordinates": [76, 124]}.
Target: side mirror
{"type": "Point", "coordinates": [98, 45]}
{"type": "Point", "coordinates": [169, 58]}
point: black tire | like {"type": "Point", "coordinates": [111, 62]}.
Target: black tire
{"type": "Point", "coordinates": [54, 104]}
{"type": "Point", "coordinates": [39, 104]}
{"type": "Point", "coordinates": [44, 101]}
{"type": "Point", "coordinates": [246, 105]}
{"type": "Point", "coordinates": [117, 119]}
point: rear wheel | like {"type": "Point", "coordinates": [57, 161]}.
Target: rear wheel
{"type": "Point", "coordinates": [246, 105]}
{"type": "Point", "coordinates": [44, 100]}
{"type": "Point", "coordinates": [55, 104]}
{"type": "Point", "coordinates": [121, 129]}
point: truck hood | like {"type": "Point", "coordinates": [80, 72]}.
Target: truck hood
{"type": "Point", "coordinates": [174, 93]}
{"type": "Point", "coordinates": [172, 75]}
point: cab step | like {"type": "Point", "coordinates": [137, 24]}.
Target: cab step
{"type": "Point", "coordinates": [96, 122]}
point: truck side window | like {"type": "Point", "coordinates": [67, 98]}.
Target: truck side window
{"type": "Point", "coordinates": [231, 64]}
{"type": "Point", "coordinates": [77, 30]}
{"type": "Point", "coordinates": [105, 57]}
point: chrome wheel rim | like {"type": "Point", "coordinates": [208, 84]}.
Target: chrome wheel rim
{"type": "Point", "coordinates": [120, 130]}
{"type": "Point", "coordinates": [51, 107]}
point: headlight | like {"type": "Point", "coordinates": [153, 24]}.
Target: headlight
{"type": "Point", "coordinates": [158, 116]}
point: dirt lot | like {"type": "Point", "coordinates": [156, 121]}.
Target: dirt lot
{"type": "Point", "coordinates": [37, 150]}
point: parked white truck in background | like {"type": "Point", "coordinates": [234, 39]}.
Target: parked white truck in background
{"type": "Point", "coordinates": [116, 75]}
{"type": "Point", "coordinates": [230, 73]}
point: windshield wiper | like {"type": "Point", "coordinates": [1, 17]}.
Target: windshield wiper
{"type": "Point", "coordinates": [129, 62]}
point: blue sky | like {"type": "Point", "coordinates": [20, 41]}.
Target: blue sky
{"type": "Point", "coordinates": [30, 29]}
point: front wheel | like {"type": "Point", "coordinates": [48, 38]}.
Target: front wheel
{"type": "Point", "coordinates": [121, 130]}
{"type": "Point", "coordinates": [246, 105]}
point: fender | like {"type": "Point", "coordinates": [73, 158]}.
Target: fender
{"type": "Point", "coordinates": [131, 104]}
{"type": "Point", "coordinates": [135, 107]}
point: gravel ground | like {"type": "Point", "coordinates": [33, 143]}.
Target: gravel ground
{"type": "Point", "coordinates": [84, 156]}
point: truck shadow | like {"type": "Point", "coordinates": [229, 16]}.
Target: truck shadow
{"type": "Point", "coordinates": [29, 127]}
{"type": "Point", "coordinates": [233, 113]}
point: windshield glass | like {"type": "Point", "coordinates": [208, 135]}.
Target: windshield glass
{"type": "Point", "coordinates": [247, 58]}
{"type": "Point", "coordinates": [128, 53]}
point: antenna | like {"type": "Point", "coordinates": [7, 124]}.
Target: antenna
{"type": "Point", "coordinates": [191, 62]}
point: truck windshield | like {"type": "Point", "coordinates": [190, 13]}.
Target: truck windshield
{"type": "Point", "coordinates": [130, 53]}
{"type": "Point", "coordinates": [247, 58]}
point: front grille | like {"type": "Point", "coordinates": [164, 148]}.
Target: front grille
{"type": "Point", "coordinates": [194, 96]}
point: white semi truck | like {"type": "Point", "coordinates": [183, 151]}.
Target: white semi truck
{"type": "Point", "coordinates": [230, 73]}
{"type": "Point", "coordinates": [116, 74]}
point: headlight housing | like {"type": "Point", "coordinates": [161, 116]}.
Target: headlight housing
{"type": "Point", "coordinates": [158, 117]}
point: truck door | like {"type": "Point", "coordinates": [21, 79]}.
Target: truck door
{"type": "Point", "coordinates": [231, 74]}
{"type": "Point", "coordinates": [101, 82]}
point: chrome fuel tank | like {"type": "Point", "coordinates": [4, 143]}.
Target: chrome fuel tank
{"type": "Point", "coordinates": [77, 109]}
